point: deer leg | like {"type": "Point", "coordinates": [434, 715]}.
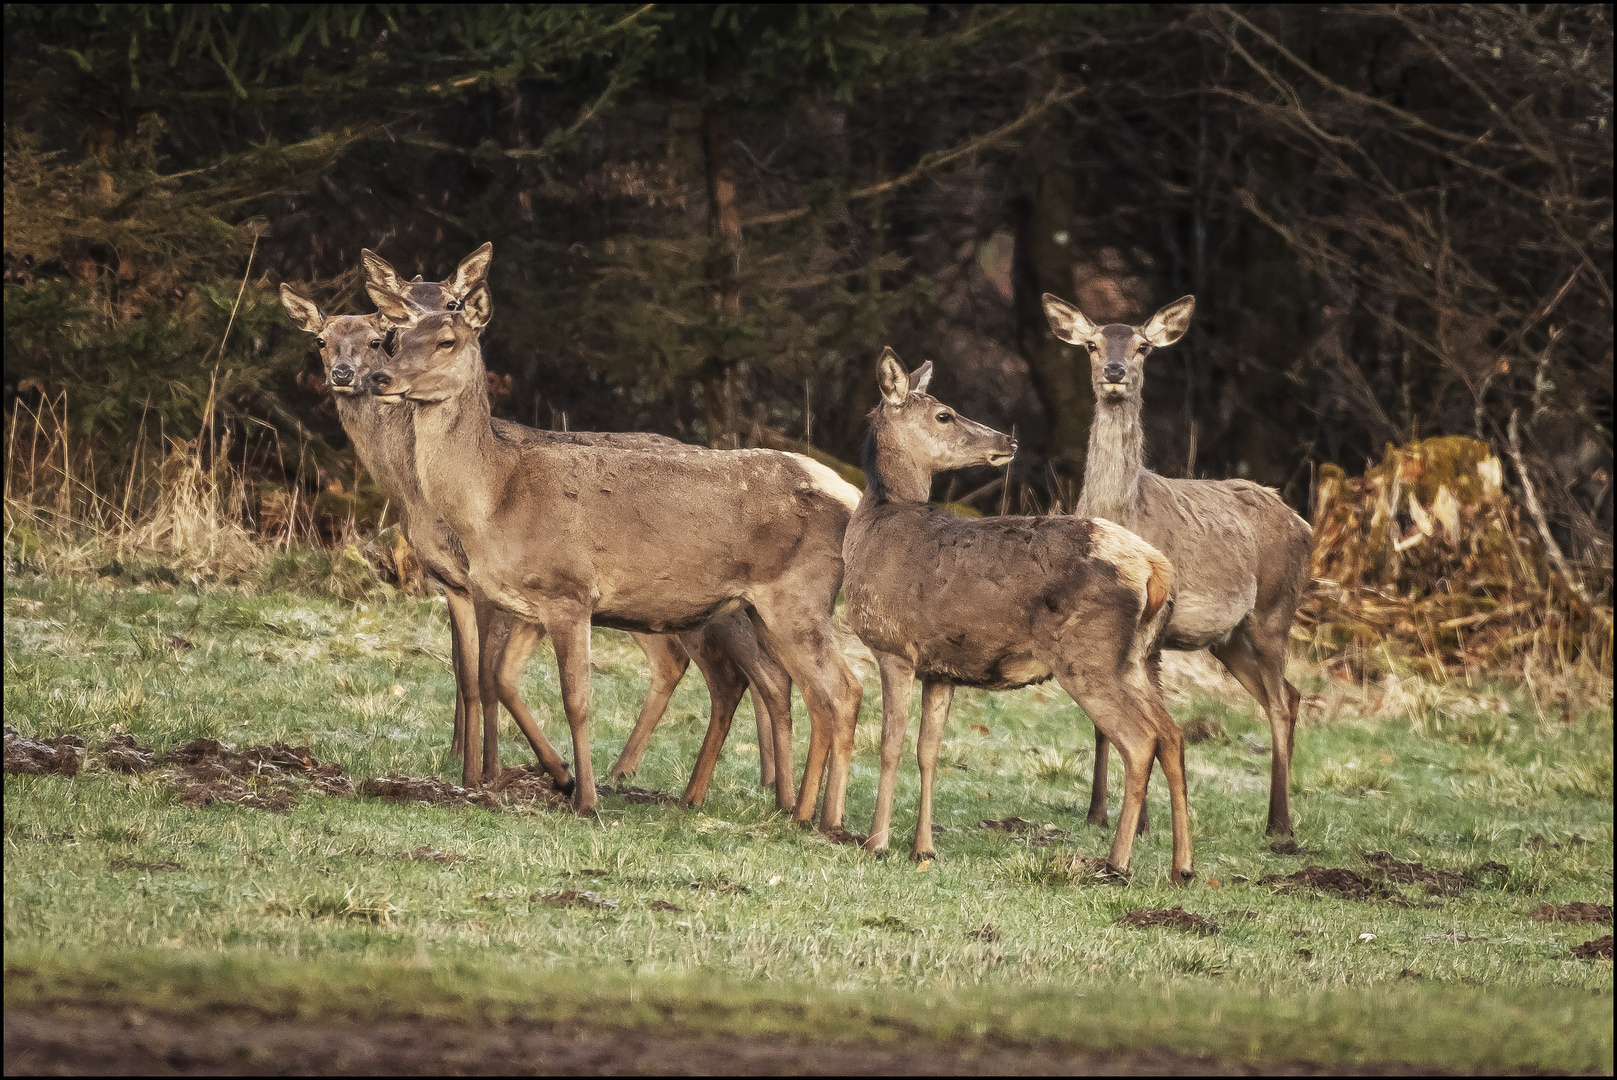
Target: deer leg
{"type": "Point", "coordinates": [1171, 755]}
{"type": "Point", "coordinates": [1261, 674]}
{"type": "Point", "coordinates": [494, 635]}
{"type": "Point", "coordinates": [797, 631]}
{"type": "Point", "coordinates": [1114, 712]}
{"type": "Point", "coordinates": [772, 686]}
{"type": "Point", "coordinates": [467, 630]}
{"type": "Point", "coordinates": [1097, 786]}
{"type": "Point", "coordinates": [726, 686]}
{"type": "Point", "coordinates": [669, 661]}
{"type": "Point", "coordinates": [521, 638]}
{"type": "Point", "coordinates": [570, 632]}
{"type": "Point", "coordinates": [935, 700]}
{"type": "Point", "coordinates": [897, 682]}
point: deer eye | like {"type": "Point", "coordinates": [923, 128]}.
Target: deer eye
{"type": "Point", "coordinates": [1145, 348]}
{"type": "Point", "coordinates": [449, 343]}
{"type": "Point", "coordinates": [320, 341]}
{"type": "Point", "coordinates": [945, 418]}
{"type": "Point", "coordinates": [376, 343]}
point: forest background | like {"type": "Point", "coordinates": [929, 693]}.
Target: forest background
{"type": "Point", "coordinates": [708, 219]}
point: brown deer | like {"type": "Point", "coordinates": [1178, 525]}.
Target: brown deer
{"type": "Point", "coordinates": [726, 650]}
{"type": "Point", "coordinates": [654, 542]}
{"type": "Point", "coordinates": [1240, 553]}
{"type": "Point", "coordinates": [384, 441]}
{"type": "Point", "coordinates": [1000, 603]}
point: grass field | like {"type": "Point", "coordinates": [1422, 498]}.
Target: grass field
{"type": "Point", "coordinates": [727, 918]}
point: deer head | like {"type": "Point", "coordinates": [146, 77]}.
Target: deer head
{"type": "Point", "coordinates": [428, 296]}
{"type": "Point", "coordinates": [349, 344]}
{"type": "Point", "coordinates": [436, 355]}
{"type": "Point", "coordinates": [1117, 351]}
{"type": "Point", "coordinates": [925, 433]}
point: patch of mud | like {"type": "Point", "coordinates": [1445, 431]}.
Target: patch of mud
{"type": "Point", "coordinates": [119, 862]}
{"type": "Point", "coordinates": [638, 795]}
{"type": "Point", "coordinates": [1574, 913]}
{"type": "Point", "coordinates": [1290, 847]}
{"type": "Point", "coordinates": [61, 755]}
{"type": "Point", "coordinates": [1202, 729]}
{"type": "Point", "coordinates": [206, 771]}
{"type": "Point", "coordinates": [1035, 834]}
{"type": "Point", "coordinates": [1338, 882]}
{"type": "Point", "coordinates": [393, 787]}
{"type": "Point", "coordinates": [573, 898]}
{"type": "Point", "coordinates": [1598, 949]}
{"type": "Point", "coordinates": [1175, 918]}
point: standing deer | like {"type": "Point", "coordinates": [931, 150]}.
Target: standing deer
{"type": "Point", "coordinates": [1000, 603]}
{"type": "Point", "coordinates": [720, 648]}
{"type": "Point", "coordinates": [1240, 552]}
{"type": "Point", "coordinates": [385, 443]}
{"type": "Point", "coordinates": [566, 536]}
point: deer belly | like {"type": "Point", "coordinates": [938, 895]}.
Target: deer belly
{"type": "Point", "coordinates": [986, 670]}
{"type": "Point", "coordinates": [1203, 618]}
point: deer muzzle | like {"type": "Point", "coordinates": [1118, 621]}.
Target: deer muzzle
{"type": "Point", "coordinates": [380, 384]}
{"type": "Point", "coordinates": [342, 379]}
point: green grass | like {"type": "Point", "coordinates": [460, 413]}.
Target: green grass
{"type": "Point", "coordinates": [299, 909]}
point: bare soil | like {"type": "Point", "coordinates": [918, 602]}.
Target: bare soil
{"type": "Point", "coordinates": [1341, 882]}
{"type": "Point", "coordinates": [1598, 949]}
{"type": "Point", "coordinates": [1175, 918]}
{"type": "Point", "coordinates": [86, 1039]}
{"type": "Point", "coordinates": [1578, 912]}
{"type": "Point", "coordinates": [62, 754]}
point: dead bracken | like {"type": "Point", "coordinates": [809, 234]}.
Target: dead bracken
{"type": "Point", "coordinates": [1175, 918]}
{"type": "Point", "coordinates": [1573, 913]}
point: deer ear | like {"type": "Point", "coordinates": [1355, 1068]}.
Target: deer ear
{"type": "Point", "coordinates": [479, 307]}
{"type": "Point", "coordinates": [1067, 322]}
{"type": "Point", "coordinates": [395, 310]}
{"type": "Point", "coordinates": [472, 269]}
{"type": "Point", "coordinates": [920, 377]}
{"type": "Point", "coordinates": [1169, 325]}
{"type": "Point", "coordinates": [895, 385]}
{"type": "Point", "coordinates": [378, 271]}
{"type": "Point", "coordinates": [303, 311]}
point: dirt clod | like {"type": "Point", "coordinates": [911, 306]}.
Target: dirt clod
{"type": "Point", "coordinates": [1574, 913]}
{"type": "Point", "coordinates": [1290, 847]}
{"type": "Point", "coordinates": [62, 754]}
{"type": "Point", "coordinates": [530, 783]}
{"type": "Point", "coordinates": [1538, 843]}
{"type": "Point", "coordinates": [664, 905]}
{"type": "Point", "coordinates": [1408, 873]}
{"type": "Point", "coordinates": [122, 753]}
{"type": "Point", "coordinates": [1175, 918]}
{"type": "Point", "coordinates": [1348, 883]}
{"type": "Point", "coordinates": [1598, 949]}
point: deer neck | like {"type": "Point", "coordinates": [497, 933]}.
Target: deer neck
{"type": "Point", "coordinates": [891, 475]}
{"type": "Point", "coordinates": [384, 439]}
{"type": "Point", "coordinates": [456, 453]}
{"type": "Point", "coordinates": [1116, 459]}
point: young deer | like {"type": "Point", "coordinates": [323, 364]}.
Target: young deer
{"type": "Point", "coordinates": [654, 542]}
{"type": "Point", "coordinates": [1240, 553]}
{"type": "Point", "coordinates": [999, 603]}
{"type": "Point", "coordinates": [726, 650]}
{"type": "Point", "coordinates": [384, 440]}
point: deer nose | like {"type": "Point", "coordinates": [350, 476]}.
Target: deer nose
{"type": "Point", "coordinates": [342, 375]}
{"type": "Point", "coordinates": [380, 380]}
{"type": "Point", "coordinates": [1114, 373]}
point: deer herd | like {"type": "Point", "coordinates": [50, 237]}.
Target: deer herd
{"type": "Point", "coordinates": [735, 559]}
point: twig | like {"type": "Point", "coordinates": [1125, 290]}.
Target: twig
{"type": "Point", "coordinates": [1537, 513]}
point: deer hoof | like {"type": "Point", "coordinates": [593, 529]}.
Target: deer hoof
{"type": "Point", "coordinates": [1184, 877]}
{"type": "Point", "coordinates": [1099, 819]}
{"type": "Point", "coordinates": [566, 787]}
{"type": "Point", "coordinates": [1278, 828]}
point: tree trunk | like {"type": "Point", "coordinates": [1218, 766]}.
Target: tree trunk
{"type": "Point", "coordinates": [724, 260]}
{"type": "Point", "coordinates": [1043, 263]}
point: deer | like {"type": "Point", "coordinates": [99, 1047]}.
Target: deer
{"type": "Point", "coordinates": [384, 442]}
{"type": "Point", "coordinates": [569, 536]}
{"type": "Point", "coordinates": [720, 649]}
{"type": "Point", "coordinates": [1242, 554]}
{"type": "Point", "coordinates": [1000, 603]}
